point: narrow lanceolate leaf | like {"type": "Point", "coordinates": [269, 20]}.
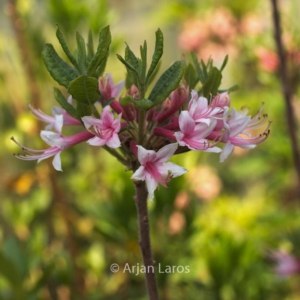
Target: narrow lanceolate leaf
{"type": "Point", "coordinates": [131, 58]}
{"type": "Point", "coordinates": [66, 49]}
{"type": "Point", "coordinates": [81, 53]}
{"type": "Point", "coordinates": [190, 76]}
{"type": "Point", "coordinates": [224, 63]}
{"type": "Point", "coordinates": [168, 82]}
{"type": "Point", "coordinates": [85, 89]}
{"type": "Point", "coordinates": [212, 83]}
{"type": "Point", "coordinates": [102, 50]}
{"type": "Point", "coordinates": [143, 66]}
{"type": "Point", "coordinates": [198, 69]}
{"type": "Point", "coordinates": [133, 75]}
{"type": "Point", "coordinates": [158, 52]}
{"type": "Point", "coordinates": [100, 70]}
{"type": "Point", "coordinates": [205, 69]}
{"type": "Point", "coordinates": [90, 47]}
{"type": "Point", "coordinates": [64, 103]}
{"type": "Point", "coordinates": [61, 71]}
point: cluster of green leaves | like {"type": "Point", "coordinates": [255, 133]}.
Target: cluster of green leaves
{"type": "Point", "coordinates": [207, 74]}
{"type": "Point", "coordinates": [139, 76]}
{"type": "Point", "coordinates": [81, 80]}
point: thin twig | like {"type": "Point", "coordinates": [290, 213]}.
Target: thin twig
{"type": "Point", "coordinates": [287, 91]}
{"type": "Point", "coordinates": [144, 236]}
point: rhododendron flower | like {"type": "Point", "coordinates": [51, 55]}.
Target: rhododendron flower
{"type": "Point", "coordinates": [200, 111]}
{"type": "Point", "coordinates": [60, 118]}
{"type": "Point", "coordinates": [108, 89]}
{"type": "Point", "coordinates": [154, 167]}
{"type": "Point", "coordinates": [194, 135]}
{"type": "Point", "coordinates": [105, 129]}
{"type": "Point", "coordinates": [237, 125]}
{"type": "Point", "coordinates": [58, 143]}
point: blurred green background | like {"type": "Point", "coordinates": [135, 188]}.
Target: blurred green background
{"type": "Point", "coordinates": [60, 232]}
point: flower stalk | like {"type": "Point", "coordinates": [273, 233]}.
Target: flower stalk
{"type": "Point", "coordinates": [140, 198]}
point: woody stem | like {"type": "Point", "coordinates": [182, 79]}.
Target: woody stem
{"type": "Point", "coordinates": [144, 238]}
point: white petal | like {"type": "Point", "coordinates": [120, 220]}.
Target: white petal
{"type": "Point", "coordinates": [57, 162]}
{"type": "Point", "coordinates": [145, 155]}
{"type": "Point", "coordinates": [52, 138]}
{"type": "Point", "coordinates": [166, 152]}
{"type": "Point", "coordinates": [59, 121]}
{"type": "Point", "coordinates": [151, 185]}
{"type": "Point", "coordinates": [227, 150]}
{"type": "Point", "coordinates": [90, 121]}
{"type": "Point", "coordinates": [139, 174]}
{"type": "Point", "coordinates": [213, 149]}
{"type": "Point", "coordinates": [175, 169]}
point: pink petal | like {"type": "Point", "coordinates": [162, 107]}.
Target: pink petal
{"type": "Point", "coordinates": [91, 121]}
{"type": "Point", "coordinates": [114, 141]}
{"type": "Point", "coordinates": [96, 141]}
{"type": "Point", "coordinates": [107, 116]}
{"type": "Point", "coordinates": [118, 88]}
{"type": "Point", "coordinates": [186, 123]}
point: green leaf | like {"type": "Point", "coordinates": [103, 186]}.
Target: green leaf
{"type": "Point", "coordinates": [64, 103]}
{"type": "Point", "coordinates": [66, 49]}
{"type": "Point", "coordinates": [143, 104]}
{"type": "Point", "coordinates": [81, 53]}
{"type": "Point", "coordinates": [204, 69]}
{"type": "Point", "coordinates": [231, 89]}
{"type": "Point", "coordinates": [212, 83]}
{"type": "Point", "coordinates": [131, 58]}
{"type": "Point", "coordinates": [85, 89]}
{"type": "Point", "coordinates": [167, 82]}
{"type": "Point", "coordinates": [224, 63]}
{"type": "Point", "coordinates": [126, 100]}
{"type": "Point", "coordinates": [102, 50]}
{"type": "Point", "coordinates": [83, 110]}
{"type": "Point", "coordinates": [100, 70]}
{"type": "Point", "coordinates": [143, 66]}
{"type": "Point", "coordinates": [158, 52]}
{"type": "Point", "coordinates": [190, 76]}
{"type": "Point", "coordinates": [153, 75]}
{"type": "Point", "coordinates": [90, 46]}
{"type": "Point", "coordinates": [198, 69]}
{"type": "Point", "coordinates": [60, 71]}
{"type": "Point", "coordinates": [108, 102]}
{"type": "Point", "coordinates": [133, 75]}
{"type": "Point", "coordinates": [134, 70]}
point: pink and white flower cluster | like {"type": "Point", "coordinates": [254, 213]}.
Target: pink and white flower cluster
{"type": "Point", "coordinates": [181, 123]}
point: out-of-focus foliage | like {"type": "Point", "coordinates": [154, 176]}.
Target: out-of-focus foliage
{"type": "Point", "coordinates": [60, 232]}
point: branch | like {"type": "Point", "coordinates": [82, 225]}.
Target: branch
{"type": "Point", "coordinates": [286, 90]}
